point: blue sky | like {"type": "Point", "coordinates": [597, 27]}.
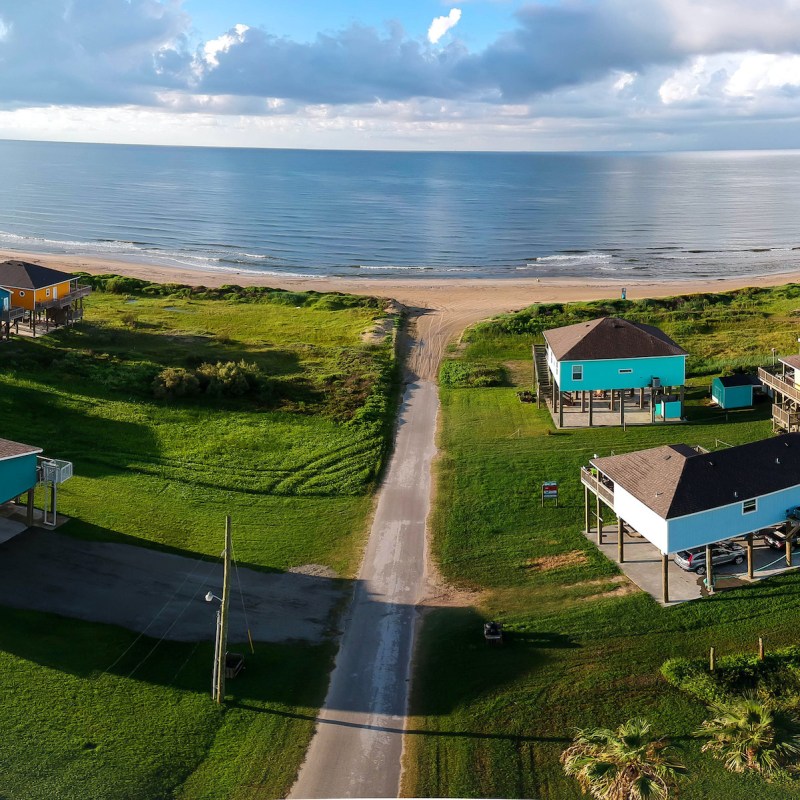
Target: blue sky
{"type": "Point", "coordinates": [418, 74]}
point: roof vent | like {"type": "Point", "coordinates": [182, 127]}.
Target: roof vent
{"type": "Point", "coordinates": [736, 494]}
{"type": "Point", "coordinates": [777, 461]}
{"type": "Point", "coordinates": [710, 463]}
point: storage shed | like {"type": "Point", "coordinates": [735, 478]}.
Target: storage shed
{"type": "Point", "coordinates": [734, 391]}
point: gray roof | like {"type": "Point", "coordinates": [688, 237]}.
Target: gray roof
{"type": "Point", "coordinates": [675, 480]}
{"type": "Point", "coordinates": [608, 338]}
{"type": "Point", "coordinates": [9, 449]}
{"type": "Point", "coordinates": [740, 379]}
{"type": "Point", "coordinates": [790, 361]}
{"type": "Point", "coordinates": [24, 275]}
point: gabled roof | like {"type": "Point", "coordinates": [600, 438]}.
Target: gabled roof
{"type": "Point", "coordinates": [609, 338]}
{"type": "Point", "coordinates": [675, 480]}
{"type": "Point", "coordinates": [790, 361]}
{"type": "Point", "coordinates": [24, 275]}
{"type": "Point", "coordinates": [740, 379]}
{"type": "Point", "coordinates": [9, 449]}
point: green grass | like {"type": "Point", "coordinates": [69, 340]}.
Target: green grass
{"type": "Point", "coordinates": [295, 468]}
{"type": "Point", "coordinates": [492, 722]}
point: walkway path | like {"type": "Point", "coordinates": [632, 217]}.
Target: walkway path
{"type": "Point", "coordinates": [357, 748]}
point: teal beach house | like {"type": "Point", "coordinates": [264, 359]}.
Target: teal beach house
{"type": "Point", "coordinates": [597, 372]}
{"type": "Point", "coordinates": [734, 391]}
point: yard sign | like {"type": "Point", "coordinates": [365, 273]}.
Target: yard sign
{"type": "Point", "coordinates": [550, 491]}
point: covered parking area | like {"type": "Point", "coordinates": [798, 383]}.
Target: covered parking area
{"type": "Point", "coordinates": [674, 498]}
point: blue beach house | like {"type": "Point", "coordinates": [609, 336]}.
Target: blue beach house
{"type": "Point", "coordinates": [734, 391]}
{"type": "Point", "coordinates": [680, 497]}
{"type": "Point", "coordinates": [8, 313]}
{"type": "Point", "coordinates": [599, 367]}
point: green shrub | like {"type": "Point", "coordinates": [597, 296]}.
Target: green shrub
{"type": "Point", "coordinates": [470, 375]}
{"type": "Point", "coordinates": [174, 382]}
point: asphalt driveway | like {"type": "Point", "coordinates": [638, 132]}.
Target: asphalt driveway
{"type": "Point", "coordinates": [160, 594]}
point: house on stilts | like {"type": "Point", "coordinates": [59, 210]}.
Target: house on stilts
{"type": "Point", "coordinates": [594, 373]}
{"type": "Point", "coordinates": [679, 497]}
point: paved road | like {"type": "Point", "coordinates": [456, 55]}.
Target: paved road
{"type": "Point", "coordinates": [356, 750]}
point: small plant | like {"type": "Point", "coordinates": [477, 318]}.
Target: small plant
{"type": "Point", "coordinates": [175, 382]}
{"type": "Point", "coordinates": [752, 733]}
{"type": "Point", "coordinates": [628, 763]}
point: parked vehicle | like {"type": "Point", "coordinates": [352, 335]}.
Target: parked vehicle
{"type": "Point", "coordinates": [776, 538]}
{"type": "Point", "coordinates": [694, 559]}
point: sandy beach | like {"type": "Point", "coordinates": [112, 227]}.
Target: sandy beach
{"type": "Point", "coordinates": [444, 307]}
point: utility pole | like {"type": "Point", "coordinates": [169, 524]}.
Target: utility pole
{"type": "Point", "coordinates": [222, 639]}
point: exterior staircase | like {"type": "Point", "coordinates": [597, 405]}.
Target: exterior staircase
{"type": "Point", "coordinates": [543, 385]}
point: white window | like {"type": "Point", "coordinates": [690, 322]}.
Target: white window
{"type": "Point", "coordinates": [47, 292]}
{"type": "Point", "coordinates": [625, 371]}
{"type": "Point", "coordinates": [22, 294]}
{"type": "Point", "coordinates": [577, 372]}
{"type": "Point", "coordinates": [749, 505]}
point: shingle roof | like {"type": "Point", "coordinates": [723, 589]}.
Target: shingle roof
{"type": "Point", "coordinates": [740, 380]}
{"type": "Point", "coordinates": [610, 337]}
{"type": "Point", "coordinates": [24, 275]}
{"type": "Point", "coordinates": [9, 449]}
{"type": "Point", "coordinates": [675, 480]}
{"type": "Point", "coordinates": [790, 361]}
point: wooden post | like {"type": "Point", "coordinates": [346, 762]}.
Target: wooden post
{"type": "Point", "coordinates": [591, 408]}
{"type": "Point", "coordinates": [760, 648]}
{"type": "Point", "coordinates": [622, 408]}
{"type": "Point", "coordinates": [788, 551]}
{"type": "Point", "coordinates": [553, 399]}
{"type": "Point", "coordinates": [224, 608]}
{"type": "Point", "coordinates": [750, 556]}
{"type": "Point", "coordinates": [587, 523]}
{"type": "Point", "coordinates": [599, 522]}
{"type": "Point", "coordinates": [611, 405]}
{"type": "Point", "coordinates": [641, 398]}
{"type": "Point", "coordinates": [583, 401]}
{"type": "Point", "coordinates": [665, 577]}
{"type": "Point", "coordinates": [682, 393]}
{"type": "Point", "coordinates": [712, 660]}
{"type": "Point", "coordinates": [560, 410]}
{"type": "Point", "coordinates": [620, 542]}
{"type": "Point", "coordinates": [29, 517]}
{"type": "Point", "coordinates": [709, 570]}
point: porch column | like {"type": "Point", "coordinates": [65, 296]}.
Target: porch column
{"type": "Point", "coordinates": [591, 408]}
{"type": "Point", "coordinates": [789, 551]}
{"type": "Point", "coordinates": [641, 398]}
{"type": "Point", "coordinates": [29, 518]}
{"type": "Point", "coordinates": [620, 542]}
{"type": "Point", "coordinates": [709, 570]}
{"type": "Point", "coordinates": [586, 521]}
{"type": "Point", "coordinates": [750, 556]}
{"type": "Point", "coordinates": [583, 401]}
{"type": "Point", "coordinates": [665, 578]}
{"type": "Point", "coordinates": [599, 522]}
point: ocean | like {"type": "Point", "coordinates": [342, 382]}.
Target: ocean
{"type": "Point", "coordinates": [383, 214]}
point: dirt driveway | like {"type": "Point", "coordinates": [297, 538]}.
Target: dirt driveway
{"type": "Point", "coordinates": [156, 593]}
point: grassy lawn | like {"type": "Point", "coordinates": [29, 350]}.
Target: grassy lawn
{"type": "Point", "coordinates": [94, 711]}
{"type": "Point", "coordinates": [580, 651]}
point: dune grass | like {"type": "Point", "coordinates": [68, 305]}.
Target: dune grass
{"type": "Point", "coordinates": [582, 649]}
{"type": "Point", "coordinates": [295, 466]}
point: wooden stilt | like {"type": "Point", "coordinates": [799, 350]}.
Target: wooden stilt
{"type": "Point", "coordinates": [583, 402]}
{"type": "Point", "coordinates": [620, 542]}
{"type": "Point", "coordinates": [599, 521]}
{"type": "Point", "coordinates": [682, 394]}
{"type": "Point", "coordinates": [750, 556]}
{"type": "Point", "coordinates": [586, 519]}
{"type": "Point", "coordinates": [641, 398]}
{"type": "Point", "coordinates": [560, 411]}
{"type": "Point", "coordinates": [591, 408]}
{"type": "Point", "coordinates": [29, 516]}
{"type": "Point", "coordinates": [709, 570]}
{"type": "Point", "coordinates": [622, 408]}
{"type": "Point", "coordinates": [665, 577]}
{"type": "Point", "coordinates": [788, 551]}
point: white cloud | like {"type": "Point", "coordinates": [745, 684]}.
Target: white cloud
{"type": "Point", "coordinates": [5, 29]}
{"type": "Point", "coordinates": [441, 25]}
{"type": "Point", "coordinates": [760, 72]}
{"type": "Point", "coordinates": [222, 44]}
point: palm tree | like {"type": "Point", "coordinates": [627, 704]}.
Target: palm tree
{"type": "Point", "coordinates": [626, 764]}
{"type": "Point", "coordinates": [752, 733]}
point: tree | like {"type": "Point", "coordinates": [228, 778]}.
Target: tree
{"type": "Point", "coordinates": [628, 763]}
{"type": "Point", "coordinates": [752, 733]}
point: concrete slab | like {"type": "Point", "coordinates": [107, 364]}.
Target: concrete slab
{"type": "Point", "coordinates": [9, 528]}
{"type": "Point", "coordinates": [159, 594]}
{"type": "Point", "coordinates": [603, 416]}
{"type": "Point", "coordinates": [642, 565]}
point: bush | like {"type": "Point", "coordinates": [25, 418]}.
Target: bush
{"type": "Point", "coordinates": [174, 382]}
{"type": "Point", "coordinates": [470, 375]}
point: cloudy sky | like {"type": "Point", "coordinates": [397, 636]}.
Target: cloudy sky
{"type": "Point", "coordinates": [411, 74]}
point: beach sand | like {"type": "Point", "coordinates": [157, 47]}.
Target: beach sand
{"type": "Point", "coordinates": [442, 308]}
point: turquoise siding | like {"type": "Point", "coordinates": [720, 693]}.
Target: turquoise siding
{"type": "Point", "coordinates": [732, 396]}
{"type": "Point", "coordinates": [606, 374]}
{"type": "Point", "coordinates": [670, 409]}
{"type": "Point", "coordinates": [712, 526]}
{"type": "Point", "coordinates": [5, 299]}
{"type": "Point", "coordinates": [17, 475]}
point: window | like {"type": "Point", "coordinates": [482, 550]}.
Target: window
{"type": "Point", "coordinates": [22, 294]}
{"type": "Point", "coordinates": [47, 292]}
{"type": "Point", "coordinates": [577, 372]}
{"type": "Point", "coordinates": [625, 371]}
{"type": "Point", "coordinates": [749, 505]}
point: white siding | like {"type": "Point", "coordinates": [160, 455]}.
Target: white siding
{"type": "Point", "coordinates": [554, 364]}
{"type": "Point", "coordinates": [640, 517]}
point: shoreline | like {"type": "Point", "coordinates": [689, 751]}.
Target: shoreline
{"type": "Point", "coordinates": [492, 295]}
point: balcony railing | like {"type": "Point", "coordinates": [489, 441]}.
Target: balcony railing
{"type": "Point", "coordinates": [779, 384]}
{"type": "Point", "coordinates": [67, 299]}
{"type": "Point", "coordinates": [12, 314]}
{"type": "Point", "coordinates": [786, 419]}
{"type": "Point", "coordinates": [598, 485]}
